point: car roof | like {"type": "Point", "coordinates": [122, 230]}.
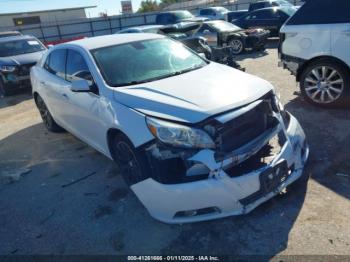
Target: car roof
{"type": "Point", "coordinates": [213, 7]}
{"type": "Point", "coordinates": [173, 11]}
{"type": "Point", "coordinates": [269, 8]}
{"type": "Point", "coordinates": [109, 40]}
{"type": "Point", "coordinates": [142, 27]}
{"type": "Point", "coordinates": [10, 32]}
{"type": "Point", "coordinates": [16, 37]}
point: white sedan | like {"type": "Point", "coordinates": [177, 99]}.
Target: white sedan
{"type": "Point", "coordinates": [196, 140]}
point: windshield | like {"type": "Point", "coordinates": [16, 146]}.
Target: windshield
{"type": "Point", "coordinates": [145, 61]}
{"type": "Point", "coordinates": [19, 47]}
{"type": "Point", "coordinates": [223, 26]}
{"type": "Point", "coordinates": [183, 15]}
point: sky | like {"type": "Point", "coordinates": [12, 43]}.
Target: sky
{"type": "Point", "coordinates": [112, 7]}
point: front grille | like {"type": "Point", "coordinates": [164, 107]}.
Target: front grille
{"type": "Point", "coordinates": [246, 127]}
{"type": "Point", "coordinates": [23, 70]}
{"type": "Point", "coordinates": [261, 159]}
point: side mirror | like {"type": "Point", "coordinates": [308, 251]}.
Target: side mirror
{"type": "Point", "coordinates": [80, 86]}
{"type": "Point", "coordinates": [206, 32]}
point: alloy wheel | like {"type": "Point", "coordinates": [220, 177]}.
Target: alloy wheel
{"type": "Point", "coordinates": [324, 84]}
{"type": "Point", "coordinates": [128, 161]}
{"type": "Point", "coordinates": [237, 46]}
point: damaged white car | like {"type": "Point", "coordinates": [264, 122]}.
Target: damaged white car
{"type": "Point", "coordinates": [196, 140]}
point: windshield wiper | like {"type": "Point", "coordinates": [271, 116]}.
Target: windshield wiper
{"type": "Point", "coordinates": [159, 77]}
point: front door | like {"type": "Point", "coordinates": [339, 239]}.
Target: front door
{"type": "Point", "coordinates": [85, 110]}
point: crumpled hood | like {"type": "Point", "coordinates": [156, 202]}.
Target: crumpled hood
{"type": "Point", "coordinates": [196, 95]}
{"type": "Point", "coordinates": [21, 59]}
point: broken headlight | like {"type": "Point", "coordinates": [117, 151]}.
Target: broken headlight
{"type": "Point", "coordinates": [179, 135]}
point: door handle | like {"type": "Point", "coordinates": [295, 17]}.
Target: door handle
{"type": "Point", "coordinates": [43, 83]}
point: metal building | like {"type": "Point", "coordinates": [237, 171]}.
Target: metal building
{"type": "Point", "coordinates": [42, 16]}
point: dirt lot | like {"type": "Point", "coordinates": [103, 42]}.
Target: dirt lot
{"type": "Point", "coordinates": [59, 196]}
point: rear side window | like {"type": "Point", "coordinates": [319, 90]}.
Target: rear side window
{"type": "Point", "coordinates": [256, 6]}
{"type": "Point", "coordinates": [207, 12]}
{"type": "Point", "coordinates": [77, 68]}
{"type": "Point", "coordinates": [322, 12]}
{"type": "Point", "coordinates": [264, 14]}
{"type": "Point", "coordinates": [56, 63]}
{"type": "Point", "coordinates": [164, 19]}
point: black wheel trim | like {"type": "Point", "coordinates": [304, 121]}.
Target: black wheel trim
{"type": "Point", "coordinates": [126, 158]}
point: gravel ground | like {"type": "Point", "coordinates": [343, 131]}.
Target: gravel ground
{"type": "Point", "coordinates": [59, 196]}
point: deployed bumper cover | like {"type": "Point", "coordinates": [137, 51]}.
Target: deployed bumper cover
{"type": "Point", "coordinates": [221, 194]}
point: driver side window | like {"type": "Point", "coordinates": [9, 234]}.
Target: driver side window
{"type": "Point", "coordinates": [77, 69]}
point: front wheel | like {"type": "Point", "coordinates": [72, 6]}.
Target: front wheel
{"type": "Point", "coordinates": [46, 116]}
{"type": "Point", "coordinates": [131, 161]}
{"type": "Point", "coordinates": [237, 46]}
{"type": "Point", "coordinates": [325, 83]}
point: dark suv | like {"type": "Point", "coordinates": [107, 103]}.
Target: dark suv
{"type": "Point", "coordinates": [174, 17]}
{"type": "Point", "coordinates": [17, 55]}
{"type": "Point", "coordinates": [271, 18]}
{"type": "Point", "coordinates": [269, 3]}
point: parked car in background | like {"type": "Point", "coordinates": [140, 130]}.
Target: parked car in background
{"type": "Point", "coordinates": [233, 15]}
{"type": "Point", "coordinates": [222, 33]}
{"type": "Point", "coordinates": [270, 3]}
{"type": "Point", "coordinates": [141, 29]}
{"type": "Point", "coordinates": [196, 43]}
{"type": "Point", "coordinates": [195, 140]}
{"type": "Point", "coordinates": [174, 17]}
{"type": "Point", "coordinates": [314, 46]}
{"type": "Point", "coordinates": [271, 19]}
{"type": "Point", "coordinates": [9, 33]}
{"type": "Point", "coordinates": [214, 13]}
{"type": "Point", "coordinates": [17, 55]}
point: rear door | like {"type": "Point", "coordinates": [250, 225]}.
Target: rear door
{"type": "Point", "coordinates": [340, 28]}
{"type": "Point", "coordinates": [53, 84]}
{"type": "Point", "coordinates": [266, 18]}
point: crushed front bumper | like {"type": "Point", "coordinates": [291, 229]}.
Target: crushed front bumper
{"type": "Point", "coordinates": [221, 195]}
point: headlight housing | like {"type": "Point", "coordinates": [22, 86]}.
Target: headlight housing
{"type": "Point", "coordinates": [179, 135]}
{"type": "Point", "coordinates": [7, 68]}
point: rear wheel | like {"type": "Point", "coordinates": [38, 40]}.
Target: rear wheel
{"type": "Point", "coordinates": [132, 161]}
{"type": "Point", "coordinates": [325, 83]}
{"type": "Point", "coordinates": [46, 116]}
{"type": "Point", "coordinates": [237, 46]}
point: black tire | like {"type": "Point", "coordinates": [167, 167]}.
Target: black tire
{"type": "Point", "coordinates": [46, 116]}
{"type": "Point", "coordinates": [131, 161]}
{"type": "Point", "coordinates": [316, 83]}
{"type": "Point", "coordinates": [237, 46]}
